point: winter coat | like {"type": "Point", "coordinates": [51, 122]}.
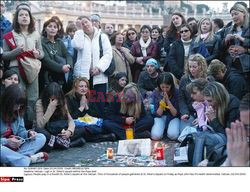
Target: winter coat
{"type": "Point", "coordinates": [232, 113]}
{"type": "Point", "coordinates": [146, 83]}
{"type": "Point", "coordinates": [51, 69]}
{"type": "Point", "coordinates": [32, 40]}
{"type": "Point", "coordinates": [152, 51]}
{"type": "Point", "coordinates": [185, 100]}
{"type": "Point", "coordinates": [171, 37]}
{"type": "Point", "coordinates": [121, 64]}
{"type": "Point", "coordinates": [73, 104]}
{"type": "Point", "coordinates": [88, 51]}
{"type": "Point", "coordinates": [176, 59]}
{"type": "Point", "coordinates": [211, 46]}
{"type": "Point", "coordinates": [245, 57]}
{"type": "Point", "coordinates": [235, 83]}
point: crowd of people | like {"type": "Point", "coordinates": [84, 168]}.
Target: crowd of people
{"type": "Point", "coordinates": [158, 80]}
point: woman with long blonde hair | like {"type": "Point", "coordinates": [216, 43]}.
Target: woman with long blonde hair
{"type": "Point", "coordinates": [236, 41]}
{"type": "Point", "coordinates": [206, 43]}
{"type": "Point", "coordinates": [128, 110]}
{"type": "Point", "coordinates": [81, 102]}
{"type": "Point", "coordinates": [223, 106]}
{"type": "Point", "coordinates": [222, 110]}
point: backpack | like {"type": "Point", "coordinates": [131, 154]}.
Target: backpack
{"type": "Point", "coordinates": [110, 70]}
{"type": "Point", "coordinates": [217, 156]}
{"type": "Point", "coordinates": [193, 143]}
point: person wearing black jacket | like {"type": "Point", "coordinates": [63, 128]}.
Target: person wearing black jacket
{"type": "Point", "coordinates": [179, 51]}
{"type": "Point", "coordinates": [173, 33]}
{"type": "Point", "coordinates": [232, 79]}
{"type": "Point", "coordinates": [224, 108]}
{"type": "Point", "coordinates": [128, 110]}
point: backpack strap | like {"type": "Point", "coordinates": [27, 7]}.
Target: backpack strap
{"type": "Point", "coordinates": [100, 45]}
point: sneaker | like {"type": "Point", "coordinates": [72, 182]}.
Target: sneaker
{"type": "Point", "coordinates": [39, 157]}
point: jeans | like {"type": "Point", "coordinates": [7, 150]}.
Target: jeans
{"type": "Point", "coordinates": [21, 157]}
{"type": "Point", "coordinates": [160, 123]}
{"type": "Point", "coordinates": [143, 124]}
{"type": "Point", "coordinates": [32, 91]}
{"type": "Point", "coordinates": [183, 124]}
{"type": "Point", "coordinates": [50, 143]}
{"type": "Point", "coordinates": [208, 140]}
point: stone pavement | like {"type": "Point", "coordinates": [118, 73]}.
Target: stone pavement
{"type": "Point", "coordinates": [94, 155]}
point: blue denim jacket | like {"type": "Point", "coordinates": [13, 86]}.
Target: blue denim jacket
{"type": "Point", "coordinates": [211, 46]}
{"type": "Point", "coordinates": [17, 128]}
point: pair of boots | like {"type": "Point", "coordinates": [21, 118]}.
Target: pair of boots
{"type": "Point", "coordinates": [96, 138]}
{"type": "Point", "coordinates": [101, 138]}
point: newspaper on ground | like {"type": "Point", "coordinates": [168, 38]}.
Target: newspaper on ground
{"type": "Point", "coordinates": [181, 154]}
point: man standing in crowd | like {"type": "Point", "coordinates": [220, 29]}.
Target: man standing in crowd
{"type": "Point", "coordinates": [96, 20]}
{"type": "Point", "coordinates": [109, 29]}
{"type": "Point", "coordinates": [90, 63]}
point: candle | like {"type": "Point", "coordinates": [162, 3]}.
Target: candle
{"type": "Point", "coordinates": [110, 153]}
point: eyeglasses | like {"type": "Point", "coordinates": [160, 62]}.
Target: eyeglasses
{"type": "Point", "coordinates": [133, 33]}
{"type": "Point", "coordinates": [184, 31]}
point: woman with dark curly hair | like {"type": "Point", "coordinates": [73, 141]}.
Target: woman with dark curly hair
{"type": "Point", "coordinates": [18, 146]}
{"type": "Point", "coordinates": [22, 48]}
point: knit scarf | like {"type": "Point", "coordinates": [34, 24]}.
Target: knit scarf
{"type": "Point", "coordinates": [186, 45]}
{"type": "Point", "coordinates": [204, 36]}
{"type": "Point", "coordinates": [144, 46]}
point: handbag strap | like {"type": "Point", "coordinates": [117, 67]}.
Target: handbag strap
{"type": "Point", "coordinates": [10, 40]}
{"type": "Point", "coordinates": [100, 45]}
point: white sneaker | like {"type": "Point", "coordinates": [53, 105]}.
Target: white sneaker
{"type": "Point", "coordinates": [203, 163]}
{"type": "Point", "coordinates": [39, 157]}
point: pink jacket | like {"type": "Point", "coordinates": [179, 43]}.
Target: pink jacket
{"type": "Point", "coordinates": [200, 108]}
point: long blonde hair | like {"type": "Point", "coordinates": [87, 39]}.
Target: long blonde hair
{"type": "Point", "coordinates": [201, 62]}
{"type": "Point", "coordinates": [241, 8]}
{"type": "Point", "coordinates": [76, 82]}
{"type": "Point", "coordinates": [220, 95]}
{"type": "Point", "coordinates": [211, 34]}
{"type": "Point", "coordinates": [133, 109]}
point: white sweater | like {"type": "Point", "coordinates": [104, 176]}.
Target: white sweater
{"type": "Point", "coordinates": [88, 51]}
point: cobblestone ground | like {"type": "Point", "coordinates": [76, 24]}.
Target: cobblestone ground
{"type": "Point", "coordinates": [94, 155]}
